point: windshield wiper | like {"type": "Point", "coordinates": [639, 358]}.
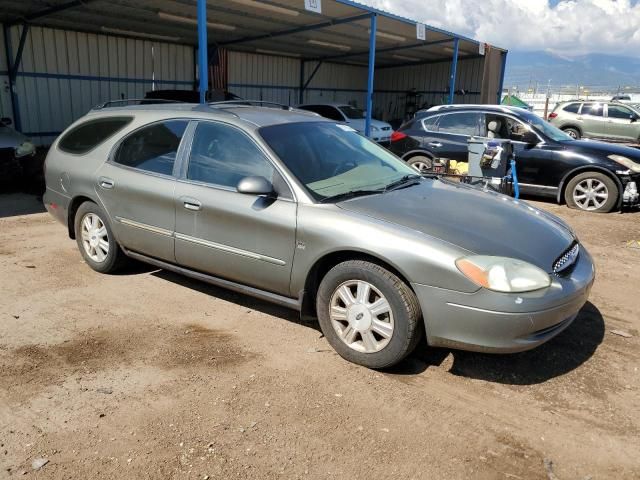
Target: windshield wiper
{"type": "Point", "coordinates": [405, 181]}
{"type": "Point", "coordinates": [349, 194]}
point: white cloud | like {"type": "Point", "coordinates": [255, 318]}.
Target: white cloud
{"type": "Point", "coordinates": [571, 27]}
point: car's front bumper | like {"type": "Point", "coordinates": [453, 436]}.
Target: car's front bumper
{"type": "Point", "coordinates": [495, 322]}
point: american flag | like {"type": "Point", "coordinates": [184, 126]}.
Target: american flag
{"type": "Point", "coordinates": [218, 59]}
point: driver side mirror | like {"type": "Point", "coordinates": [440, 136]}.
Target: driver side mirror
{"type": "Point", "coordinates": [254, 185]}
{"type": "Point", "coordinates": [633, 117]}
{"type": "Point", "coordinates": [5, 121]}
{"type": "Point", "coordinates": [530, 138]}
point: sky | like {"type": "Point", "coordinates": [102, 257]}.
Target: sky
{"type": "Point", "coordinates": [562, 27]}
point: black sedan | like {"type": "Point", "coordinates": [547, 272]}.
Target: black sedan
{"type": "Point", "coordinates": [585, 174]}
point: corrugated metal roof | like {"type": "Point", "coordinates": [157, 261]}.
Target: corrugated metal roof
{"type": "Point", "coordinates": [253, 25]}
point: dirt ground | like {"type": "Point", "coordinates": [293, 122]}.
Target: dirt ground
{"type": "Point", "coordinates": [150, 375]}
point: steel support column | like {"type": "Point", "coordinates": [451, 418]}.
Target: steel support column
{"type": "Point", "coordinates": [502, 71]}
{"type": "Point", "coordinates": [13, 66]}
{"type": "Point", "coordinates": [372, 67]}
{"type": "Point", "coordinates": [203, 64]}
{"type": "Point", "coordinates": [454, 67]}
{"type": "Point", "coordinates": [301, 89]}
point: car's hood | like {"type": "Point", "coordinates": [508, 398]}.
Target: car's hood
{"type": "Point", "coordinates": [9, 138]}
{"type": "Point", "coordinates": [359, 123]}
{"type": "Point", "coordinates": [602, 148]}
{"type": "Point", "coordinates": [481, 222]}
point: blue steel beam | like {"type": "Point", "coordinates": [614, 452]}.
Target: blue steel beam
{"type": "Point", "coordinates": [454, 67]}
{"type": "Point", "coordinates": [15, 109]}
{"type": "Point", "coordinates": [13, 68]}
{"type": "Point", "coordinates": [313, 74]}
{"type": "Point", "coordinates": [203, 64]}
{"type": "Point", "coordinates": [301, 89]}
{"type": "Point", "coordinates": [372, 67]}
{"type": "Point", "coordinates": [504, 68]}
{"type": "Point", "coordinates": [430, 62]}
{"type": "Point", "coordinates": [292, 31]}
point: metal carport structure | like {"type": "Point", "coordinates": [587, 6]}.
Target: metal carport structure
{"type": "Point", "coordinates": [354, 43]}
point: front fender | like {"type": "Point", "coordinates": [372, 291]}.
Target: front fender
{"type": "Point", "coordinates": [326, 229]}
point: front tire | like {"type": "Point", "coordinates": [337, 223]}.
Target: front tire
{"type": "Point", "coordinates": [95, 239]}
{"type": "Point", "coordinates": [368, 314]}
{"type": "Point", "coordinates": [592, 192]}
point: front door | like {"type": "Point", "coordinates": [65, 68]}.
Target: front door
{"type": "Point", "coordinates": [244, 238]}
{"type": "Point", "coordinates": [532, 162]}
{"type": "Point", "coordinates": [622, 124]}
{"type": "Point", "coordinates": [136, 186]}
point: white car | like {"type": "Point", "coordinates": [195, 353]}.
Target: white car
{"type": "Point", "coordinates": [352, 116]}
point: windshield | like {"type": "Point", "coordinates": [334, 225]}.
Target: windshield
{"type": "Point", "coordinates": [332, 159]}
{"type": "Point", "coordinates": [352, 112]}
{"type": "Point", "coordinates": [544, 127]}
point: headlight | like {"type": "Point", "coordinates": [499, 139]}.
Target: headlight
{"type": "Point", "coordinates": [627, 162]}
{"type": "Point", "coordinates": [374, 129]}
{"type": "Point", "coordinates": [503, 274]}
{"type": "Point", "coordinates": [25, 148]}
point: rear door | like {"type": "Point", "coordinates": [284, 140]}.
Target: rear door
{"type": "Point", "coordinates": [622, 123]}
{"type": "Point", "coordinates": [137, 186]}
{"type": "Point", "coordinates": [592, 120]}
{"type": "Point", "coordinates": [243, 238]}
{"type": "Point", "coordinates": [449, 140]}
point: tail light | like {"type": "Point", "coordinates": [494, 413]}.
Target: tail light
{"type": "Point", "coordinates": [552, 115]}
{"type": "Point", "coordinates": [397, 136]}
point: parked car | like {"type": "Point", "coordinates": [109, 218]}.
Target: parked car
{"type": "Point", "coordinates": [588, 175]}
{"type": "Point", "coordinates": [14, 147]}
{"type": "Point", "coordinates": [611, 121]}
{"type": "Point", "coordinates": [307, 213]}
{"type": "Point", "coordinates": [352, 116]}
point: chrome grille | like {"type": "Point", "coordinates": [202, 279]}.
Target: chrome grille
{"type": "Point", "coordinates": [567, 259]}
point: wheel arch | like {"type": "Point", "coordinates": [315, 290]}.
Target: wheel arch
{"type": "Point", "coordinates": [584, 169]}
{"type": "Point", "coordinates": [415, 153]}
{"type": "Point", "coordinates": [329, 260]}
{"type": "Point", "coordinates": [71, 212]}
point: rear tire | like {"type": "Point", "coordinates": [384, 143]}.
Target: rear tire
{"type": "Point", "coordinates": [592, 192]}
{"type": "Point", "coordinates": [96, 242]}
{"type": "Point", "coordinates": [572, 132]}
{"type": "Point", "coordinates": [421, 163]}
{"type": "Point", "coordinates": [368, 314]}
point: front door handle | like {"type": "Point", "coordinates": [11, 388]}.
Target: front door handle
{"type": "Point", "coordinates": [191, 203]}
{"type": "Point", "coordinates": [435, 144]}
{"type": "Point", "coordinates": [105, 182]}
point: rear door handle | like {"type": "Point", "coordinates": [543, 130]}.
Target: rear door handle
{"type": "Point", "coordinates": [105, 182]}
{"type": "Point", "coordinates": [191, 203]}
{"type": "Point", "coordinates": [435, 144]}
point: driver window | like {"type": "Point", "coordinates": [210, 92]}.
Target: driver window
{"type": "Point", "coordinates": [616, 111]}
{"type": "Point", "coordinates": [223, 155]}
{"type": "Point", "coordinates": [506, 128]}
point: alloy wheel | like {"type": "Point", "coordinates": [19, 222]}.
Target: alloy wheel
{"type": "Point", "coordinates": [361, 316]}
{"type": "Point", "coordinates": [95, 238]}
{"type": "Point", "coordinates": [590, 194]}
{"type": "Point", "coordinates": [421, 167]}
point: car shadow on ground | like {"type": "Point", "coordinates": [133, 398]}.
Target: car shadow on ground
{"type": "Point", "coordinates": [562, 354]}
{"type": "Point", "coordinates": [239, 299]}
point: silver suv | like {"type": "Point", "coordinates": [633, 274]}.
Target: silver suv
{"type": "Point", "coordinates": [612, 121]}
{"type": "Point", "coordinates": [305, 212]}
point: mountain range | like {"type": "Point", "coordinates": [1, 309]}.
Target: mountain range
{"type": "Point", "coordinates": [593, 71]}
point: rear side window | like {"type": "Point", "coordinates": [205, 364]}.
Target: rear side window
{"type": "Point", "coordinates": [152, 148]}
{"type": "Point", "coordinates": [430, 124]}
{"type": "Point", "coordinates": [595, 109]}
{"type": "Point", "coordinates": [460, 123]}
{"type": "Point", "coordinates": [89, 135]}
{"type": "Point", "coordinates": [572, 108]}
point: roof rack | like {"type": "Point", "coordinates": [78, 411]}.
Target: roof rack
{"type": "Point", "coordinates": [129, 101]}
{"type": "Point", "coordinates": [249, 103]}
